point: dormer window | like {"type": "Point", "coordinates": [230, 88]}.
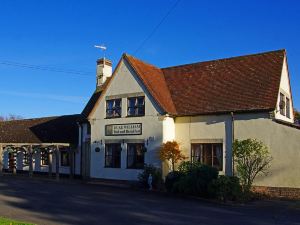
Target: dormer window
{"type": "Point", "coordinates": [136, 106]}
{"type": "Point", "coordinates": [114, 108]}
{"type": "Point", "coordinates": [282, 104]}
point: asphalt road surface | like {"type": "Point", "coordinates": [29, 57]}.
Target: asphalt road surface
{"type": "Point", "coordinates": [48, 202]}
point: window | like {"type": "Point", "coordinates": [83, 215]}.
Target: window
{"type": "Point", "coordinates": [135, 156]}
{"type": "Point", "coordinates": [136, 106]}
{"type": "Point", "coordinates": [64, 158]}
{"type": "Point", "coordinates": [113, 155]}
{"type": "Point", "coordinates": [44, 158]}
{"type": "Point", "coordinates": [114, 108]}
{"type": "Point", "coordinates": [282, 104]}
{"type": "Point", "coordinates": [288, 109]}
{"type": "Point", "coordinates": [208, 154]}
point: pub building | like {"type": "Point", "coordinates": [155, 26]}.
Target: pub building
{"type": "Point", "coordinates": [203, 106]}
{"type": "Point", "coordinates": [137, 107]}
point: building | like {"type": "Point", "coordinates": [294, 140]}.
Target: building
{"type": "Point", "coordinates": [135, 108]}
{"type": "Point", "coordinates": [204, 106]}
{"type": "Point", "coordinates": [41, 145]}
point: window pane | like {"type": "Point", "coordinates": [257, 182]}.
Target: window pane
{"type": "Point", "coordinates": [218, 156]}
{"type": "Point", "coordinates": [196, 154]}
{"type": "Point", "coordinates": [113, 155]}
{"type": "Point", "coordinates": [288, 107]}
{"type": "Point", "coordinates": [114, 108]}
{"type": "Point", "coordinates": [281, 104]}
{"type": "Point", "coordinates": [208, 154]}
{"type": "Point", "coordinates": [135, 156]}
{"type": "Point", "coordinates": [64, 158]}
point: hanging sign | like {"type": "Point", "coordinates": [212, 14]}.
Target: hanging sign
{"type": "Point", "coordinates": [123, 129]}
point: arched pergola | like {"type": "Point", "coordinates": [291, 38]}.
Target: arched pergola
{"type": "Point", "coordinates": [33, 148]}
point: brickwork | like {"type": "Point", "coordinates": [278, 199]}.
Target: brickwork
{"type": "Point", "coordinates": [279, 192]}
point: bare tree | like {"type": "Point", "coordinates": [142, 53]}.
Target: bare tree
{"type": "Point", "coordinates": [10, 117]}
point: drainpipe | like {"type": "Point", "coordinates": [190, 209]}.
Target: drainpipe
{"type": "Point", "coordinates": [232, 141]}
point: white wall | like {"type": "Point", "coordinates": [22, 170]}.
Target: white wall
{"type": "Point", "coordinates": [209, 129]}
{"type": "Point", "coordinates": [285, 89]}
{"type": "Point", "coordinates": [284, 145]}
{"type": "Point", "coordinates": [124, 82]}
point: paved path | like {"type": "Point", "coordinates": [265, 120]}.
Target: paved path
{"type": "Point", "coordinates": [48, 202]}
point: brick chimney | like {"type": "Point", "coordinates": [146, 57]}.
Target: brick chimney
{"type": "Point", "coordinates": [104, 70]}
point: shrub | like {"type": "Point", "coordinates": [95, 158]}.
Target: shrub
{"type": "Point", "coordinates": [226, 188]}
{"type": "Point", "coordinates": [252, 158]}
{"type": "Point", "coordinates": [195, 179]}
{"type": "Point", "coordinates": [170, 151]}
{"type": "Point", "coordinates": [171, 179]}
{"type": "Point", "coordinates": [186, 166]}
{"type": "Point", "coordinates": [156, 177]}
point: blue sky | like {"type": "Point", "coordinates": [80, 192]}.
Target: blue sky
{"type": "Point", "coordinates": [60, 35]}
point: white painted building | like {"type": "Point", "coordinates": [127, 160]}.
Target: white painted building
{"type": "Point", "coordinates": [136, 108]}
{"type": "Point", "coordinates": [204, 106]}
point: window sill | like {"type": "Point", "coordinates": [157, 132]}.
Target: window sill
{"type": "Point", "coordinates": [115, 117]}
{"type": "Point", "coordinates": [130, 168]}
{"type": "Point", "coordinates": [135, 116]}
{"type": "Point", "coordinates": [108, 167]}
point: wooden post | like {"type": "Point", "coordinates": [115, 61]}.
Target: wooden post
{"type": "Point", "coordinates": [1, 159]}
{"type": "Point", "coordinates": [57, 162]}
{"type": "Point", "coordinates": [71, 154]}
{"type": "Point", "coordinates": [14, 153]}
{"type": "Point", "coordinates": [50, 155]}
{"type": "Point", "coordinates": [30, 153]}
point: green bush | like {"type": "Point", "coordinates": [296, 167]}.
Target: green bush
{"type": "Point", "coordinates": [156, 177]}
{"type": "Point", "coordinates": [226, 188]}
{"type": "Point", "coordinates": [195, 179]}
{"type": "Point", "coordinates": [171, 179]}
{"type": "Point", "coordinates": [187, 166]}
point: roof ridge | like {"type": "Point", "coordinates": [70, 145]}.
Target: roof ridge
{"type": "Point", "coordinates": [224, 59]}
{"type": "Point", "coordinates": [38, 118]}
{"type": "Point", "coordinates": [149, 64]}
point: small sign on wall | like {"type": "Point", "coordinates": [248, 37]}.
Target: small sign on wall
{"type": "Point", "coordinates": [123, 129]}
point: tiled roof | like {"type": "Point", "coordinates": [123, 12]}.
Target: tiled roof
{"type": "Point", "coordinates": [154, 80]}
{"type": "Point", "coordinates": [238, 84]}
{"type": "Point", "coordinates": [93, 100]}
{"type": "Point", "coordinates": [61, 129]}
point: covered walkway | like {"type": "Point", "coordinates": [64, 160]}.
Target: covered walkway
{"type": "Point", "coordinates": [42, 145]}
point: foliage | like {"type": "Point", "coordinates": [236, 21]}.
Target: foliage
{"type": "Point", "coordinates": [251, 158]}
{"type": "Point", "coordinates": [156, 176]}
{"type": "Point", "coordinates": [297, 116]}
{"type": "Point", "coordinates": [10, 117]}
{"type": "Point", "coordinates": [226, 188]}
{"type": "Point", "coordinates": [5, 221]}
{"type": "Point", "coordinates": [195, 179]}
{"type": "Point", "coordinates": [187, 166]}
{"type": "Point", "coordinates": [171, 179]}
{"type": "Point", "coordinates": [170, 151]}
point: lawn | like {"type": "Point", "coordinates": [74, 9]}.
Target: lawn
{"type": "Point", "coordinates": [5, 221]}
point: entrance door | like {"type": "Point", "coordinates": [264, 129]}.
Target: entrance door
{"type": "Point", "coordinates": [86, 160]}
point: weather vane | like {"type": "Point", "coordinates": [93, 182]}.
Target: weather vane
{"type": "Point", "coordinates": [102, 48]}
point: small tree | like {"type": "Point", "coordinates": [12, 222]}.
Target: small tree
{"type": "Point", "coordinates": [251, 158]}
{"type": "Point", "coordinates": [170, 151]}
{"type": "Point", "coordinates": [297, 116]}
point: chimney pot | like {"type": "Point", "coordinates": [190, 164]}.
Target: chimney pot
{"type": "Point", "coordinates": [104, 70]}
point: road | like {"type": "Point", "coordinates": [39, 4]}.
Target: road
{"type": "Point", "coordinates": [42, 201]}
